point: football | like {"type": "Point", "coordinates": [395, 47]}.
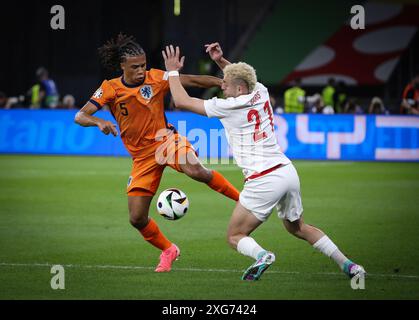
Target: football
{"type": "Point", "coordinates": [172, 204]}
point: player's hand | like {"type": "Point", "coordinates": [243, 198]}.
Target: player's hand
{"type": "Point", "coordinates": [214, 51]}
{"type": "Point", "coordinates": [107, 127]}
{"type": "Point", "coordinates": [172, 59]}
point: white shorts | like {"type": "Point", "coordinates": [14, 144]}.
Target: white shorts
{"type": "Point", "coordinates": [280, 188]}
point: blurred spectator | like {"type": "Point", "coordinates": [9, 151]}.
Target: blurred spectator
{"type": "Point", "coordinates": [205, 65]}
{"type": "Point", "coordinates": [316, 105]}
{"type": "Point", "coordinates": [340, 97]}
{"type": "Point", "coordinates": [410, 98]}
{"type": "Point", "coordinates": [377, 106]}
{"type": "Point", "coordinates": [328, 93]}
{"type": "Point", "coordinates": [11, 102]}
{"type": "Point", "coordinates": [294, 98]}
{"type": "Point", "coordinates": [34, 96]}
{"type": "Point", "coordinates": [279, 110]}
{"type": "Point", "coordinates": [48, 94]}
{"type": "Point", "coordinates": [16, 102]}
{"type": "Point", "coordinates": [4, 101]}
{"type": "Point", "coordinates": [328, 110]}
{"type": "Point", "coordinates": [275, 105]}
{"type": "Point", "coordinates": [272, 100]}
{"type": "Point", "coordinates": [353, 107]}
{"type": "Point", "coordinates": [68, 102]}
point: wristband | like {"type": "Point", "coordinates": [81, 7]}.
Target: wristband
{"type": "Point", "coordinates": [173, 73]}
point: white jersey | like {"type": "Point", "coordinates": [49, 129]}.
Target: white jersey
{"type": "Point", "coordinates": [249, 125]}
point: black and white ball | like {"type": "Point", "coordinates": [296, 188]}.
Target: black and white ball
{"type": "Point", "coordinates": [172, 204]}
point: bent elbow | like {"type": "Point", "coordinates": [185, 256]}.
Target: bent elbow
{"type": "Point", "coordinates": [180, 104]}
{"type": "Point", "coordinates": [77, 118]}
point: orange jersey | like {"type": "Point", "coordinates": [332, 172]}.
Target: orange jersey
{"type": "Point", "coordinates": [138, 109]}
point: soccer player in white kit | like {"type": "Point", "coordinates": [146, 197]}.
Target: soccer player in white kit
{"type": "Point", "coordinates": [270, 178]}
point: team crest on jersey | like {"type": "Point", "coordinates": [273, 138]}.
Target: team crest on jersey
{"type": "Point", "coordinates": [98, 93]}
{"type": "Point", "coordinates": [146, 92]}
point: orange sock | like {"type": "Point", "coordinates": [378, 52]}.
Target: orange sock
{"type": "Point", "coordinates": [222, 185]}
{"type": "Point", "coordinates": [153, 235]}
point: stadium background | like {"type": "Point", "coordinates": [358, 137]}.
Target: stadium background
{"type": "Point", "coordinates": [274, 36]}
{"type": "Point", "coordinates": [368, 207]}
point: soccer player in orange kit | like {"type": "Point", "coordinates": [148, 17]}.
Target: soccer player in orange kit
{"type": "Point", "coordinates": [136, 100]}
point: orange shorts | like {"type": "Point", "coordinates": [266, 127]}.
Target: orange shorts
{"type": "Point", "coordinates": [146, 172]}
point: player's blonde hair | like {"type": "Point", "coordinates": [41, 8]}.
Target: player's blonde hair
{"type": "Point", "coordinates": [241, 71]}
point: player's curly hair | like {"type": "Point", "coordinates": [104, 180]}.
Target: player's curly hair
{"type": "Point", "coordinates": [116, 50]}
{"type": "Point", "coordinates": [241, 71]}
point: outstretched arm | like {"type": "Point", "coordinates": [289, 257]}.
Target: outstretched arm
{"type": "Point", "coordinates": [216, 54]}
{"type": "Point", "coordinates": [85, 118]}
{"type": "Point", "coordinates": [189, 80]}
{"type": "Point", "coordinates": [181, 98]}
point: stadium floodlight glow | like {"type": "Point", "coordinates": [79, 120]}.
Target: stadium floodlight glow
{"type": "Point", "coordinates": [176, 7]}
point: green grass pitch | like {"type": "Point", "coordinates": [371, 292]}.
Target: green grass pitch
{"type": "Point", "coordinates": [72, 211]}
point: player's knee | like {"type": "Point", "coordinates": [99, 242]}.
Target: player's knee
{"type": "Point", "coordinates": [198, 173]}
{"type": "Point", "coordinates": [298, 232]}
{"type": "Point", "coordinates": [138, 221]}
{"type": "Point", "coordinates": [294, 229]}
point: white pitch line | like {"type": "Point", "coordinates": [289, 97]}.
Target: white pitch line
{"type": "Point", "coordinates": [80, 266]}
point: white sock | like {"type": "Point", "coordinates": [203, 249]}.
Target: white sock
{"type": "Point", "coordinates": [328, 248]}
{"type": "Point", "coordinates": [339, 258]}
{"type": "Point", "coordinates": [249, 247]}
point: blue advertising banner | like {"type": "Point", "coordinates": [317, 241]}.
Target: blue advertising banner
{"type": "Point", "coordinates": [321, 137]}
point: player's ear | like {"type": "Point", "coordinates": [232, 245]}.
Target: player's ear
{"type": "Point", "coordinates": [123, 64]}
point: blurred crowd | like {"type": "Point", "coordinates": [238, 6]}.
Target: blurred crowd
{"type": "Point", "coordinates": [43, 94]}
{"type": "Point", "coordinates": [332, 99]}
